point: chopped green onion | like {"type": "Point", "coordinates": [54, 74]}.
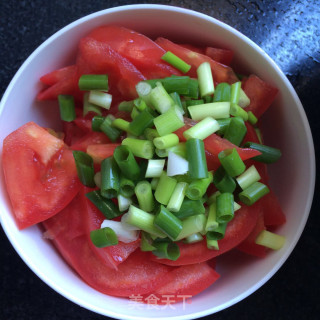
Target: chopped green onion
{"type": "Point", "coordinates": [177, 197]}
{"type": "Point", "coordinates": [126, 106]}
{"type": "Point", "coordinates": [134, 113]}
{"type": "Point", "coordinates": [110, 180]}
{"type": "Point", "coordinates": [247, 178]}
{"type": "Point", "coordinates": [259, 135]}
{"type": "Point", "coordinates": [140, 148]}
{"type": "Point", "coordinates": [244, 100]}
{"type": "Point", "coordinates": [225, 209]}
{"type": "Point", "coordinates": [165, 188]}
{"type": "Point", "coordinates": [236, 206]}
{"type": "Point", "coordinates": [212, 244]}
{"type": "Point", "coordinates": [151, 134]}
{"type": "Point", "coordinates": [269, 154]}
{"type": "Point", "coordinates": [190, 208]}
{"type": "Point", "coordinates": [162, 153]}
{"type": "Point", "coordinates": [97, 179]}
{"type": "Point", "coordinates": [166, 141]}
{"type": "Point", "coordinates": [176, 98]}
{"type": "Point", "coordinates": [212, 222]}
{"type": "Point", "coordinates": [252, 118]}
{"type": "Point", "coordinates": [223, 124]}
{"type": "Point", "coordinates": [154, 182]}
{"type": "Point", "coordinates": [192, 225]}
{"type": "Point", "coordinates": [168, 122]}
{"type": "Point", "coordinates": [104, 237]}
{"type": "Point", "coordinates": [144, 195]}
{"type": "Point", "coordinates": [218, 233]}
{"type": "Point", "coordinates": [213, 198]}
{"type": "Point", "coordinates": [202, 129]}
{"type": "Point", "coordinates": [121, 124]}
{"type": "Point", "coordinates": [194, 102]}
{"type": "Point", "coordinates": [106, 127]}
{"type": "Point", "coordinates": [166, 250]}
{"type": "Point", "coordinates": [205, 79]}
{"type": "Point", "coordinates": [141, 122]}
{"type": "Point", "coordinates": [253, 193]}
{"type": "Point", "coordinates": [180, 150]}
{"type": "Point", "coordinates": [176, 165]}
{"type": "Point", "coordinates": [123, 203]}
{"type": "Point", "coordinates": [67, 107]}
{"type": "Point", "coordinates": [193, 238]}
{"type": "Point", "coordinates": [176, 62]}
{"type": "Point", "coordinates": [223, 181]}
{"type": "Point", "coordinates": [89, 82]}
{"type": "Point", "coordinates": [270, 240]}
{"type": "Point", "coordinates": [96, 123]}
{"type": "Point", "coordinates": [144, 91]}
{"type": "Point", "coordinates": [106, 206]}
{"type": "Point", "coordinates": [235, 92]}
{"type": "Point", "coordinates": [237, 111]}
{"type": "Point", "coordinates": [168, 223]}
{"type": "Point", "coordinates": [100, 98]}
{"type": "Point", "coordinates": [236, 131]}
{"type": "Point", "coordinates": [160, 99]}
{"type": "Point", "coordinates": [146, 242]}
{"type": "Point", "coordinates": [222, 92]}
{"type": "Point", "coordinates": [123, 231]}
{"type": "Point", "coordinates": [231, 162]}
{"type": "Point", "coordinates": [126, 162]}
{"type": "Point", "coordinates": [85, 169]}
{"type": "Point", "coordinates": [198, 188]}
{"type": "Point", "coordinates": [140, 104]}
{"type": "Point", "coordinates": [144, 221]}
{"type": "Point", "coordinates": [126, 187]}
{"type": "Point", "coordinates": [197, 159]}
{"type": "Point", "coordinates": [89, 107]}
{"type": "Point", "coordinates": [216, 110]}
{"type": "Point", "coordinates": [155, 168]}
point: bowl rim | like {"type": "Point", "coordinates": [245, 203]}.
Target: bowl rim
{"type": "Point", "coordinates": [303, 116]}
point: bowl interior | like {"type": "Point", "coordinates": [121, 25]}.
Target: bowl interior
{"type": "Point", "coordinates": [284, 120]}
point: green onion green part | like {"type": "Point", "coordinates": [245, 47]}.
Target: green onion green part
{"type": "Point", "coordinates": [236, 131]}
{"type": "Point", "coordinates": [146, 242]}
{"type": "Point", "coordinates": [222, 92]}
{"type": "Point", "coordinates": [155, 168]}
{"type": "Point", "coordinates": [252, 118]}
{"type": "Point", "coordinates": [104, 237]}
{"type": "Point", "coordinates": [202, 129]}
{"type": "Point", "coordinates": [85, 169]}
{"type": "Point", "coordinates": [140, 148]}
{"type": "Point", "coordinates": [166, 250]}
{"type": "Point", "coordinates": [176, 62]}
{"type": "Point", "coordinates": [67, 107]}
{"type": "Point", "coordinates": [177, 197]}
{"type": "Point", "coordinates": [244, 100]}
{"type": "Point", "coordinates": [165, 188]}
{"type": "Point", "coordinates": [126, 187]}
{"type": "Point", "coordinates": [205, 79]}
{"type": "Point", "coordinates": [89, 82]}
{"type": "Point", "coordinates": [190, 208]}
{"type": "Point", "coordinates": [248, 177]}
{"type": "Point", "coordinates": [192, 225]}
{"type": "Point", "coordinates": [269, 154]}
{"type": "Point", "coordinates": [223, 181]}
{"type": "Point", "coordinates": [121, 124]}
{"type": "Point", "coordinates": [166, 141]}
{"type": "Point", "coordinates": [197, 188]}
{"type": "Point", "coordinates": [141, 122]}
{"type": "Point", "coordinates": [218, 233]}
{"type": "Point", "coordinates": [151, 134]}
{"type": "Point", "coordinates": [253, 193]}
{"type": "Point", "coordinates": [126, 106]}
{"type": "Point", "coordinates": [100, 98]}
{"type": "Point", "coordinates": [89, 107]}
{"type": "Point", "coordinates": [168, 122]}
{"type": "Point", "coordinates": [106, 127]}
{"type": "Point", "coordinates": [270, 240]}
{"type": "Point", "coordinates": [231, 162]}
{"type": "Point", "coordinates": [144, 195]}
{"type": "Point", "coordinates": [216, 110]}
{"type": "Point", "coordinates": [225, 208]}
{"type": "Point", "coordinates": [235, 92]}
{"type": "Point", "coordinates": [212, 222]}
{"type": "Point", "coordinates": [110, 178]}
{"type": "Point", "coordinates": [197, 159]}
{"type": "Point", "coordinates": [96, 123]}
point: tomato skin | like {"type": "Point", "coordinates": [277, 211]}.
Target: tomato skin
{"type": "Point", "coordinates": [188, 280]}
{"type": "Point", "coordinates": [249, 246]}
{"type": "Point", "coordinates": [98, 152]}
{"type": "Point", "coordinates": [89, 139]}
{"type": "Point", "coordinates": [238, 229]}
{"type": "Point", "coordinates": [223, 56]}
{"type": "Point", "coordinates": [220, 72]}
{"type": "Point", "coordinates": [99, 58]}
{"type": "Point", "coordinates": [260, 93]}
{"type": "Point", "coordinates": [141, 51]}
{"type": "Point", "coordinates": [34, 164]}
{"type": "Point", "coordinates": [57, 75]}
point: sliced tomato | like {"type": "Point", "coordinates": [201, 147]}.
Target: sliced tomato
{"type": "Point", "coordinates": [251, 134]}
{"type": "Point", "coordinates": [193, 48]}
{"type": "Point", "coordinates": [220, 72]}
{"type": "Point", "coordinates": [238, 229]}
{"type": "Point", "coordinates": [249, 245]}
{"type": "Point", "coordinates": [89, 139]}
{"type": "Point", "coordinates": [57, 75]}
{"type": "Point", "coordinates": [93, 218]}
{"type": "Point", "coordinates": [214, 144]}
{"type": "Point", "coordinates": [187, 282]}
{"type": "Point", "coordinates": [223, 56]}
{"type": "Point", "coordinates": [261, 95]}
{"type": "Point", "coordinates": [141, 51]}
{"type": "Point", "coordinates": [98, 57]}
{"type": "Point", "coordinates": [35, 163]}
{"type": "Point", "coordinates": [98, 152]}
{"type": "Point", "coordinates": [272, 211]}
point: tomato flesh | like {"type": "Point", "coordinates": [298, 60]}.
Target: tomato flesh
{"type": "Point", "coordinates": [35, 164]}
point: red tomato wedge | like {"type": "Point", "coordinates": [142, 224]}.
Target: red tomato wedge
{"type": "Point", "coordinates": [261, 95]}
{"type": "Point", "coordinates": [98, 152]}
{"type": "Point", "coordinates": [214, 144]}
{"type": "Point", "coordinates": [251, 134]}
{"type": "Point", "coordinates": [35, 164]}
{"type": "Point", "coordinates": [187, 282]}
{"type": "Point", "coordinates": [137, 275]}
{"type": "Point", "coordinates": [57, 75]}
{"type": "Point", "coordinates": [92, 218]}
{"type": "Point", "coordinates": [223, 56]}
{"type": "Point", "coordinates": [141, 51]}
{"type": "Point", "coordinates": [272, 211]}
{"type": "Point", "coordinates": [220, 72]}
{"type": "Point", "coordinates": [249, 246]}
{"type": "Point", "coordinates": [238, 229]}
{"type": "Point", "coordinates": [99, 58]}
{"type": "Point", "coordinates": [89, 139]}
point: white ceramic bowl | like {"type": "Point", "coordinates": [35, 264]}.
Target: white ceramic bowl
{"type": "Point", "coordinates": [285, 119]}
